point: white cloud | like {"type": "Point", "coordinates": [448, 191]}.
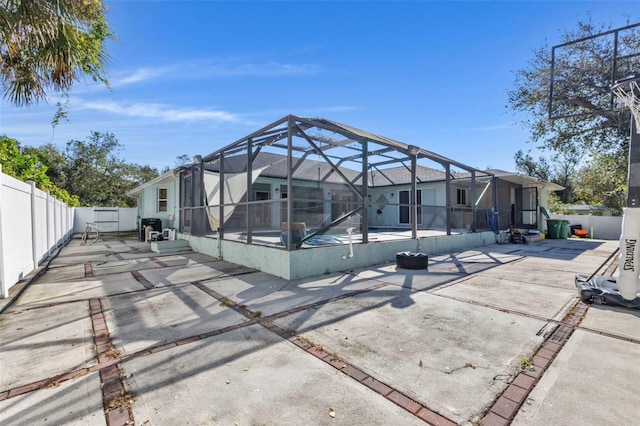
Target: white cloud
{"type": "Point", "coordinates": [269, 69]}
{"type": "Point", "coordinates": [207, 69]}
{"type": "Point", "coordinates": [159, 111]}
{"type": "Point", "coordinates": [141, 75]}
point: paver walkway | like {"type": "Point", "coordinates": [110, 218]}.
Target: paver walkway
{"type": "Point", "coordinates": [115, 334]}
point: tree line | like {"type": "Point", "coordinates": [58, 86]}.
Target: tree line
{"type": "Point", "coordinates": [85, 173]}
{"type": "Point", "coordinates": [588, 152]}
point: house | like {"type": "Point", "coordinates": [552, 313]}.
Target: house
{"type": "Point", "coordinates": [585, 209]}
{"type": "Point", "coordinates": [158, 199]}
{"type": "Point", "coordinates": [311, 183]}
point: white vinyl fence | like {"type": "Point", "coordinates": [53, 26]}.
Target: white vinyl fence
{"type": "Point", "coordinates": [107, 219]}
{"type": "Point", "coordinates": [32, 225]}
{"type": "Point", "coordinates": [600, 227]}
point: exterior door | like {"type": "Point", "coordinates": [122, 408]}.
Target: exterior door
{"type": "Point", "coordinates": [526, 208]}
{"type": "Point", "coordinates": [263, 211]}
{"type": "Point", "coordinates": [404, 212]}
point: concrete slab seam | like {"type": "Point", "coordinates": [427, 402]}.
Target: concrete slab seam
{"type": "Point", "coordinates": [117, 402]}
{"type": "Point", "coordinates": [158, 262]}
{"type": "Point", "coordinates": [611, 335]}
{"type": "Point", "coordinates": [496, 307]}
{"type": "Point", "coordinates": [255, 315]}
{"type": "Point", "coordinates": [142, 280]}
{"type": "Point", "coordinates": [509, 402]}
{"type": "Point", "coordinates": [325, 301]}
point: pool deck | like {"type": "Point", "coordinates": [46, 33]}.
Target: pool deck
{"type": "Point", "coordinates": [115, 334]}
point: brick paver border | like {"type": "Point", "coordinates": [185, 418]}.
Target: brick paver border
{"type": "Point", "coordinates": [117, 402]}
{"type": "Point", "coordinates": [507, 405]}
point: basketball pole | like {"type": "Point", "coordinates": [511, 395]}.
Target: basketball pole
{"type": "Point", "coordinates": [629, 262]}
{"type": "Point", "coordinates": [633, 177]}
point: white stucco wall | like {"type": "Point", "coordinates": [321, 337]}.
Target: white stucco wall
{"type": "Point", "coordinates": [148, 202]}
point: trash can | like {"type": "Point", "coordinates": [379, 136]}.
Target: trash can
{"type": "Point", "coordinates": [564, 230]}
{"type": "Point", "coordinates": [554, 228]}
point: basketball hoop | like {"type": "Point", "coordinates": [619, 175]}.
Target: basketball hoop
{"type": "Point", "coordinates": [628, 92]}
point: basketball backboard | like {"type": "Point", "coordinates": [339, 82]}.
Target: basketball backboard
{"type": "Point", "coordinates": [584, 70]}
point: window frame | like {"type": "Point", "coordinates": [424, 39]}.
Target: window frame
{"type": "Point", "coordinates": [159, 200]}
{"type": "Point", "coordinates": [461, 196]}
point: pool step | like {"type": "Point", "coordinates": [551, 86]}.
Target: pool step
{"type": "Point", "coordinates": [176, 246]}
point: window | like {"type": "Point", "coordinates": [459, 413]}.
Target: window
{"type": "Point", "coordinates": [162, 199]}
{"type": "Point", "coordinates": [461, 197]}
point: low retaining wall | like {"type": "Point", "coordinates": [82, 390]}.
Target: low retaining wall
{"type": "Point", "coordinates": [322, 260]}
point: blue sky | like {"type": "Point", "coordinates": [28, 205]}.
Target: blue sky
{"type": "Point", "coordinates": [189, 77]}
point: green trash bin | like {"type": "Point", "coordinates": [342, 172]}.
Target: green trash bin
{"type": "Point", "coordinates": [554, 228]}
{"type": "Point", "coordinates": [564, 230]}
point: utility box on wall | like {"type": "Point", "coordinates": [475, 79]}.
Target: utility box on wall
{"type": "Point", "coordinates": [155, 223]}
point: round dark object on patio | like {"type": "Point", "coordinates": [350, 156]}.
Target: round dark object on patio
{"type": "Point", "coordinates": [409, 260]}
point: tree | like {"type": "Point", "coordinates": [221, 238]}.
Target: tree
{"type": "Point", "coordinates": [47, 45]}
{"type": "Point", "coordinates": [527, 165]}
{"type": "Point", "coordinates": [55, 161]}
{"type": "Point", "coordinates": [25, 165]}
{"type": "Point", "coordinates": [599, 129]}
{"type": "Point", "coordinates": [563, 172]}
{"type": "Point", "coordinates": [603, 182]}
{"type": "Point", "coordinates": [98, 175]}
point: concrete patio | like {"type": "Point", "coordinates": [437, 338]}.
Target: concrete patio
{"type": "Point", "coordinates": [115, 334]}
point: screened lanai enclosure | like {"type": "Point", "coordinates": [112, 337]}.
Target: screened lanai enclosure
{"type": "Point", "coordinates": [301, 183]}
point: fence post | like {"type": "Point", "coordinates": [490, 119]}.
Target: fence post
{"type": "Point", "coordinates": [34, 237]}
{"type": "Point", "coordinates": [55, 221]}
{"type": "Point", "coordinates": [49, 243]}
{"type": "Point", "coordinates": [66, 223]}
{"type": "Point", "coordinates": [4, 293]}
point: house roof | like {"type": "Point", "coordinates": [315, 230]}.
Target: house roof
{"type": "Point", "coordinates": [519, 179]}
{"type": "Point", "coordinates": [312, 170]}
{"type": "Point", "coordinates": [168, 176]}
{"type": "Point", "coordinates": [402, 176]}
{"type": "Point", "coordinates": [309, 170]}
{"type": "Point", "coordinates": [584, 208]}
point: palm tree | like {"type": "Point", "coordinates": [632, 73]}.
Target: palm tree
{"type": "Point", "coordinates": [49, 44]}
